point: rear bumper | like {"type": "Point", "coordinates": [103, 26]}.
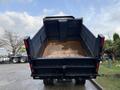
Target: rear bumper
{"type": "Point", "coordinates": [66, 76]}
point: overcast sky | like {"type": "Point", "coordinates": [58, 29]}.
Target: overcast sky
{"type": "Point", "coordinates": [25, 16]}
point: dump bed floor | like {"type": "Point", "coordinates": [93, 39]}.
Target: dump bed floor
{"type": "Point", "coordinates": [64, 49]}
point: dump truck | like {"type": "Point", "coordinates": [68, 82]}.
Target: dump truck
{"type": "Point", "coordinates": [64, 49]}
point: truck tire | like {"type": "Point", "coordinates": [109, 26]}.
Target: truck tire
{"type": "Point", "coordinates": [48, 82]}
{"type": "Point", "coordinates": [80, 81]}
{"type": "Point", "coordinates": [22, 60]}
{"type": "Point", "coordinates": [15, 60]}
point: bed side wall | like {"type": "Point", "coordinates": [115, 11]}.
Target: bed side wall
{"type": "Point", "coordinates": [90, 40]}
{"type": "Point", "coordinates": [38, 40]}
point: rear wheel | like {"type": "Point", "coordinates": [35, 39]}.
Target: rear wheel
{"type": "Point", "coordinates": [48, 82]}
{"type": "Point", "coordinates": [15, 60]}
{"type": "Point", "coordinates": [22, 60]}
{"type": "Point", "coordinates": [80, 81]}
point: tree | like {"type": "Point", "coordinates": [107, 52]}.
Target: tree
{"type": "Point", "coordinates": [116, 48]}
{"type": "Point", "coordinates": [109, 49]}
{"type": "Point", "coordinates": [113, 46]}
{"type": "Point", "coordinates": [11, 42]}
{"type": "Point", "coordinates": [108, 46]}
{"type": "Point", "coordinates": [116, 45]}
{"type": "Point", "coordinates": [115, 36]}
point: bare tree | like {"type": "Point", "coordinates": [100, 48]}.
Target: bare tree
{"type": "Point", "coordinates": [11, 42]}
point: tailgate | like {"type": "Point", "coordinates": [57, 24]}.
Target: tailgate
{"type": "Point", "coordinates": [64, 67]}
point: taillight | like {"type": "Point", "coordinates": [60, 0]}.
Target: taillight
{"type": "Point", "coordinates": [97, 67]}
{"type": "Point", "coordinates": [26, 44]}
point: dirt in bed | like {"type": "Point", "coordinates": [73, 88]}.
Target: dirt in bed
{"type": "Point", "coordinates": [64, 49]}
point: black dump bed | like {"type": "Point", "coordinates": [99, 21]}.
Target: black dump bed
{"type": "Point", "coordinates": [64, 48]}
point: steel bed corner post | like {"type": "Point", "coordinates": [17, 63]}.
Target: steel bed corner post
{"type": "Point", "coordinates": [100, 41]}
{"type": "Point", "coordinates": [28, 50]}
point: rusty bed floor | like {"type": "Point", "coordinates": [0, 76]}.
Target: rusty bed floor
{"type": "Point", "coordinates": [64, 49]}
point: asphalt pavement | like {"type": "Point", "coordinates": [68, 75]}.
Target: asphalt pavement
{"type": "Point", "coordinates": [17, 77]}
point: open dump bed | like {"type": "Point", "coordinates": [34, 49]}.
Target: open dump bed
{"type": "Point", "coordinates": [64, 48]}
{"type": "Point", "coordinates": [58, 49]}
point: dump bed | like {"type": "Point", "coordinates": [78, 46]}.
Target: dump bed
{"type": "Point", "coordinates": [64, 48]}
